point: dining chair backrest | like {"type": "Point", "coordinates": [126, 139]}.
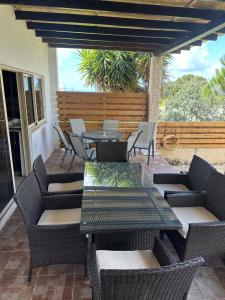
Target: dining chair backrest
{"type": "Point", "coordinates": [77, 126]}
{"type": "Point", "coordinates": [111, 151]}
{"type": "Point", "coordinates": [78, 146]}
{"type": "Point", "coordinates": [29, 200]}
{"type": "Point", "coordinates": [132, 140]}
{"type": "Point", "coordinates": [110, 124]}
{"type": "Point", "coordinates": [61, 135]}
{"type": "Point", "coordinates": [41, 174]}
{"type": "Point", "coordinates": [147, 135]}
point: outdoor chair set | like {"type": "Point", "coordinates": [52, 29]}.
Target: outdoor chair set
{"type": "Point", "coordinates": [79, 141]}
{"type": "Point", "coordinates": [198, 200]}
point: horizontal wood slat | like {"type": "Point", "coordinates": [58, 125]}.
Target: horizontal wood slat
{"type": "Point", "coordinates": [130, 109]}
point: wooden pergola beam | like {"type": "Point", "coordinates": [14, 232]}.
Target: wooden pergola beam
{"type": "Point", "coordinates": [110, 6]}
{"type": "Point", "coordinates": [109, 21]}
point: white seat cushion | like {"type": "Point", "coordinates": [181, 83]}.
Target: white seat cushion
{"type": "Point", "coordinates": [60, 216]}
{"type": "Point", "coordinates": [126, 260]}
{"type": "Point", "coordinates": [171, 187]}
{"type": "Point", "coordinates": [196, 214]}
{"type": "Point", "coordinates": [65, 187]}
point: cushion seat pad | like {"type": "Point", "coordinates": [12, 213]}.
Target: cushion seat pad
{"type": "Point", "coordinates": [196, 214]}
{"type": "Point", "coordinates": [65, 187]}
{"type": "Point", "coordinates": [60, 216]}
{"type": "Point", "coordinates": [171, 187]}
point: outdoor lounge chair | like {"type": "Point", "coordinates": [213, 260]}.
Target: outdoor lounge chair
{"type": "Point", "coordinates": [78, 127]}
{"type": "Point", "coordinates": [146, 140]}
{"type": "Point", "coordinates": [131, 142]}
{"type": "Point", "coordinates": [203, 218]}
{"type": "Point", "coordinates": [57, 183]}
{"type": "Point", "coordinates": [53, 226]}
{"type": "Point", "coordinates": [64, 141]}
{"type": "Point", "coordinates": [196, 179]}
{"type": "Point", "coordinates": [111, 151]}
{"type": "Point", "coordinates": [80, 150]}
{"type": "Point", "coordinates": [140, 275]}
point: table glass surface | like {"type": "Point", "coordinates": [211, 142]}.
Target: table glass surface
{"type": "Point", "coordinates": [121, 197]}
{"type": "Point", "coordinates": [102, 135]}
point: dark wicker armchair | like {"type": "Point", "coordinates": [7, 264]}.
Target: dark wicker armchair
{"type": "Point", "coordinates": [52, 224]}
{"type": "Point", "coordinates": [196, 179]}
{"type": "Point", "coordinates": [57, 183]}
{"type": "Point", "coordinates": [111, 151]}
{"type": "Point", "coordinates": [203, 218]}
{"type": "Point", "coordinates": [140, 275]}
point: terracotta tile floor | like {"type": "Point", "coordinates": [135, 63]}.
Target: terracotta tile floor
{"type": "Point", "coordinates": [66, 281]}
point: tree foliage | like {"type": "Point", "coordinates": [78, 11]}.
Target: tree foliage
{"type": "Point", "coordinates": [117, 71]}
{"type": "Point", "coordinates": [217, 84]}
{"type": "Point", "coordinates": [184, 100]}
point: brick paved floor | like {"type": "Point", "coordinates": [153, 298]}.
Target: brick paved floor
{"type": "Point", "coordinates": [66, 281]}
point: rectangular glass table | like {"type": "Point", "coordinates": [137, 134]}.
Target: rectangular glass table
{"type": "Point", "coordinates": [121, 197]}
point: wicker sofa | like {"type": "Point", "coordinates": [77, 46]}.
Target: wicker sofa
{"type": "Point", "coordinates": [196, 179]}
{"type": "Point", "coordinates": [53, 226]}
{"type": "Point", "coordinates": [139, 275]}
{"type": "Point", "coordinates": [203, 218]}
{"type": "Point", "coordinates": [57, 183]}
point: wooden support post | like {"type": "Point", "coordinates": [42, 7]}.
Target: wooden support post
{"type": "Point", "coordinates": [155, 87]}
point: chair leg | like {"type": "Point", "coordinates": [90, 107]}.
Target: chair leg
{"type": "Point", "coordinates": [153, 148]}
{"type": "Point", "coordinates": [29, 276]}
{"type": "Point", "coordinates": [70, 167]}
{"type": "Point", "coordinates": [64, 155]}
{"type": "Point", "coordinates": [149, 149]}
{"type": "Point", "coordinates": [134, 151]}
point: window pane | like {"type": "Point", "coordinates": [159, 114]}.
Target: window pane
{"type": "Point", "coordinates": [29, 99]}
{"type": "Point", "coordinates": [39, 98]}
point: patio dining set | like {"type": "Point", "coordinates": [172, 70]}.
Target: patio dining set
{"type": "Point", "coordinates": [113, 219]}
{"type": "Point", "coordinates": [80, 141]}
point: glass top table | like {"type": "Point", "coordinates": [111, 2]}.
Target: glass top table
{"type": "Point", "coordinates": [100, 135]}
{"type": "Point", "coordinates": [121, 197]}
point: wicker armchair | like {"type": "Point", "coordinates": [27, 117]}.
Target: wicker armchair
{"type": "Point", "coordinates": [57, 183]}
{"type": "Point", "coordinates": [144, 275]}
{"type": "Point", "coordinates": [53, 239]}
{"type": "Point", "coordinates": [203, 218]}
{"type": "Point", "coordinates": [196, 179]}
{"type": "Point", "coordinates": [111, 151]}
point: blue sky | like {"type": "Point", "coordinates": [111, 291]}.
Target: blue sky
{"type": "Point", "coordinates": [201, 60]}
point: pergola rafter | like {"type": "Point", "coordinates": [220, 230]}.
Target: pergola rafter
{"type": "Point", "coordinates": [159, 27]}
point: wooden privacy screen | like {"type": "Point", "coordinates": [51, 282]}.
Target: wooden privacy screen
{"type": "Point", "coordinates": [128, 108]}
{"type": "Point", "coordinates": [195, 134]}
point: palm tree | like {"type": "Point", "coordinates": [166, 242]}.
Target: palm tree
{"type": "Point", "coordinates": [117, 71]}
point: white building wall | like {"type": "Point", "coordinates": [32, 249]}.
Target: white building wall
{"type": "Point", "coordinates": [20, 48]}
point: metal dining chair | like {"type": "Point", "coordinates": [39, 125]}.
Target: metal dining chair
{"type": "Point", "coordinates": [146, 140]}
{"type": "Point", "coordinates": [110, 124]}
{"type": "Point", "coordinates": [111, 151]}
{"type": "Point", "coordinates": [78, 127]}
{"type": "Point", "coordinates": [131, 142]}
{"type": "Point", "coordinates": [80, 149]}
{"type": "Point", "coordinates": [64, 141]}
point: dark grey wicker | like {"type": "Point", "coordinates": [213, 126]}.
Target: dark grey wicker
{"type": "Point", "coordinates": [49, 244]}
{"type": "Point", "coordinates": [169, 282]}
{"type": "Point", "coordinates": [111, 151]}
{"type": "Point", "coordinates": [196, 179]}
{"type": "Point", "coordinates": [203, 239]}
{"type": "Point", "coordinates": [45, 179]}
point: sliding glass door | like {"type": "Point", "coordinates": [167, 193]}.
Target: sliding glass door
{"type": "Point", "coordinates": [6, 175]}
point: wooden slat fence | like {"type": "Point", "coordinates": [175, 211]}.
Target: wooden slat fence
{"type": "Point", "coordinates": [195, 134]}
{"type": "Point", "coordinates": [129, 109]}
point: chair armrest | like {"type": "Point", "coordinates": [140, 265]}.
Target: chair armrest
{"type": "Point", "coordinates": [64, 177]}
{"type": "Point", "coordinates": [62, 201]}
{"type": "Point", "coordinates": [170, 178]}
{"type": "Point", "coordinates": [162, 253]}
{"type": "Point", "coordinates": [186, 199]}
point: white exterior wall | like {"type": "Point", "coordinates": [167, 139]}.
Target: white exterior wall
{"type": "Point", "coordinates": [20, 48]}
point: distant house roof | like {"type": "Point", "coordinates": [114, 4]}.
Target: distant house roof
{"type": "Point", "coordinates": [160, 27]}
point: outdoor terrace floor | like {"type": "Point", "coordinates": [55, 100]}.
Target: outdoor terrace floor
{"type": "Point", "coordinates": [66, 281]}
